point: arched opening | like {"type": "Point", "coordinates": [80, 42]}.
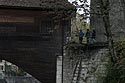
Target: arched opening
{"type": "Point", "coordinates": [11, 73]}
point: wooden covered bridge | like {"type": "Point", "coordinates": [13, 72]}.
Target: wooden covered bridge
{"type": "Point", "coordinates": [31, 34]}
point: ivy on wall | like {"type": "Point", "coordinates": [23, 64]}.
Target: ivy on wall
{"type": "Point", "coordinates": [116, 70]}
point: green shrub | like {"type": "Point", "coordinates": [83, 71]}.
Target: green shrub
{"type": "Point", "coordinates": [116, 70]}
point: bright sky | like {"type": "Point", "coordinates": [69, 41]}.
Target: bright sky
{"type": "Point", "coordinates": [79, 1]}
{"type": "Point", "coordinates": [80, 12]}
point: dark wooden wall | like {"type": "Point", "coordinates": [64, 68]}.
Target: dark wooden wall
{"type": "Point", "coordinates": [31, 40]}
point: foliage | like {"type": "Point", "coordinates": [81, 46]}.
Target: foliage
{"type": "Point", "coordinates": [78, 23]}
{"type": "Point", "coordinates": [7, 70]}
{"type": "Point", "coordinates": [10, 72]}
{"type": "Point", "coordinates": [116, 70]}
{"type": "Point", "coordinates": [21, 72]}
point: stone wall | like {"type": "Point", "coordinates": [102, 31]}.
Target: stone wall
{"type": "Point", "coordinates": [69, 62]}
{"type": "Point", "coordinates": [93, 67]}
{"type": "Point", "coordinates": [96, 22]}
{"type": "Point", "coordinates": [117, 18]}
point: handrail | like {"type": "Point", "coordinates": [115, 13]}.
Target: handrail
{"type": "Point", "coordinates": [75, 69]}
{"type": "Point", "coordinates": [80, 65]}
{"type": "Point", "coordinates": [76, 66]}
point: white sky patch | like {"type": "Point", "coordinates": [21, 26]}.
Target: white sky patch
{"type": "Point", "coordinates": [79, 3]}
{"type": "Point", "coordinates": [80, 10]}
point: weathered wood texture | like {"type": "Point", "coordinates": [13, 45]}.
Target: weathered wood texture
{"type": "Point", "coordinates": [33, 43]}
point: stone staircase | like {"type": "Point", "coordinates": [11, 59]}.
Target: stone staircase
{"type": "Point", "coordinates": [91, 70]}
{"type": "Point", "coordinates": [76, 73]}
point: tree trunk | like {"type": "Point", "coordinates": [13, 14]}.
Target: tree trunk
{"type": "Point", "coordinates": [106, 19]}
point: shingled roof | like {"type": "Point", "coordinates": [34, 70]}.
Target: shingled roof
{"type": "Point", "coordinates": [43, 4]}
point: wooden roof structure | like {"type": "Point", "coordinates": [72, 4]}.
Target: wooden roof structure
{"type": "Point", "coordinates": [37, 4]}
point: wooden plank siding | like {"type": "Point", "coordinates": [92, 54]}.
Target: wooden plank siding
{"type": "Point", "coordinates": [24, 19]}
{"type": "Point", "coordinates": [31, 44]}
